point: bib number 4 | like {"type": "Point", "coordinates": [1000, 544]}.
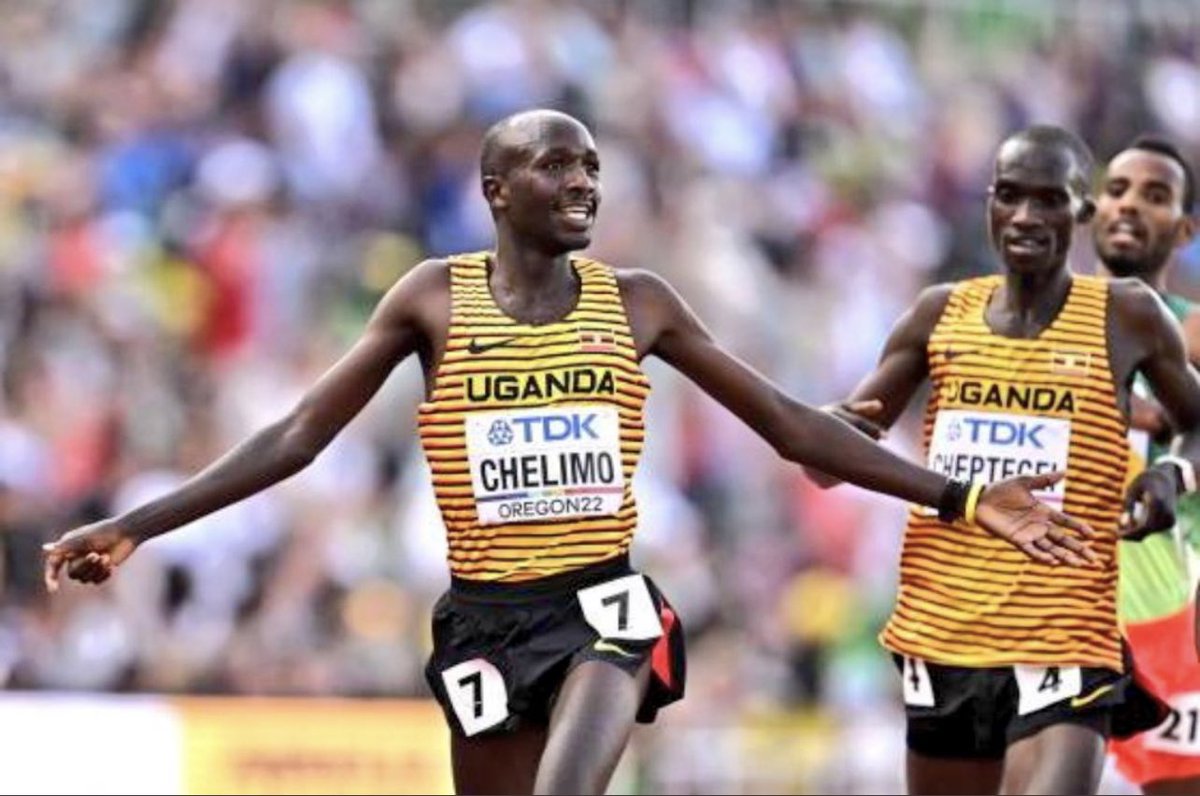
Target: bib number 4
{"type": "Point", "coordinates": [1042, 686]}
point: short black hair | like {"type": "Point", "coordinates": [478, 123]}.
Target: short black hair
{"type": "Point", "coordinates": [1053, 135]}
{"type": "Point", "coordinates": [1165, 147]}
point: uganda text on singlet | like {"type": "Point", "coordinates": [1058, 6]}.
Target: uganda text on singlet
{"type": "Point", "coordinates": [533, 432]}
{"type": "Point", "coordinates": [1002, 407]}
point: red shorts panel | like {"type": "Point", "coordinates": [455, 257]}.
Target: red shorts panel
{"type": "Point", "coordinates": [1164, 659]}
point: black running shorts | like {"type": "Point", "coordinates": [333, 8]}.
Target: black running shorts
{"type": "Point", "coordinates": [967, 712]}
{"type": "Point", "coordinates": [502, 651]}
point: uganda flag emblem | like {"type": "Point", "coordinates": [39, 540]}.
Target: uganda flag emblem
{"type": "Point", "coordinates": [1070, 363]}
{"type": "Point", "coordinates": [597, 341]}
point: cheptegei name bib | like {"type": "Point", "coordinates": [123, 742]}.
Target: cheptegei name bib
{"type": "Point", "coordinates": [548, 463]}
{"type": "Point", "coordinates": [992, 446]}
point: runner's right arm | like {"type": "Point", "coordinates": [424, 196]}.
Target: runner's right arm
{"type": "Point", "coordinates": [399, 326]}
{"type": "Point", "coordinates": [1156, 347]}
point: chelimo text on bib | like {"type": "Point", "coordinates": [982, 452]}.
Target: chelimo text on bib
{"type": "Point", "coordinates": [993, 446]}
{"type": "Point", "coordinates": [548, 463]}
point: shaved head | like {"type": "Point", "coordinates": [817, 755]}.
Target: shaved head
{"type": "Point", "coordinates": [541, 179]}
{"type": "Point", "coordinates": [1048, 138]}
{"type": "Point", "coordinates": [509, 139]}
{"type": "Point", "coordinates": [1040, 190]}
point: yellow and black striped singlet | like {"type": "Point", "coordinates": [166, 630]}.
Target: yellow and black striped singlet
{"type": "Point", "coordinates": [1001, 407]}
{"type": "Point", "coordinates": [533, 433]}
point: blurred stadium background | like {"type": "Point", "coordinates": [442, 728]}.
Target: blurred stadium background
{"type": "Point", "coordinates": [201, 200]}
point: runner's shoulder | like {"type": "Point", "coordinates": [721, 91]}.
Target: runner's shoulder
{"type": "Point", "coordinates": [431, 275]}
{"type": "Point", "coordinates": [1137, 305]}
{"type": "Point", "coordinates": [918, 323]}
{"type": "Point", "coordinates": [427, 280]}
{"type": "Point", "coordinates": [1132, 289]}
{"type": "Point", "coordinates": [640, 284]}
{"type": "Point", "coordinates": [648, 297]}
{"type": "Point", "coordinates": [421, 297]}
{"type": "Point", "coordinates": [932, 300]}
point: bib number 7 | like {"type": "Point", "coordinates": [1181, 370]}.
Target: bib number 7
{"type": "Point", "coordinates": [477, 694]}
{"type": "Point", "coordinates": [621, 609]}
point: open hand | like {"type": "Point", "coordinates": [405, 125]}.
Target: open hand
{"type": "Point", "coordinates": [1009, 510]}
{"type": "Point", "coordinates": [90, 553]}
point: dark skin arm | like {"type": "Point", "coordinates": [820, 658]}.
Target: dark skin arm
{"type": "Point", "coordinates": [412, 317]}
{"type": "Point", "coordinates": [1145, 337]}
{"type": "Point", "coordinates": [1144, 413]}
{"type": "Point", "coordinates": [664, 326]}
{"type": "Point", "coordinates": [1191, 336]}
{"type": "Point", "coordinates": [883, 395]}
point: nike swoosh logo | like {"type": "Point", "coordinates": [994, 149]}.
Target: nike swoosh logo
{"type": "Point", "coordinates": [1078, 702]}
{"type": "Point", "coordinates": [606, 646]}
{"type": "Point", "coordinates": [475, 347]}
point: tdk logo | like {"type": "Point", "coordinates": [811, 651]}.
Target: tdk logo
{"type": "Point", "coordinates": [500, 433]}
{"type": "Point", "coordinates": [1003, 432]}
{"type": "Point", "coordinates": [555, 428]}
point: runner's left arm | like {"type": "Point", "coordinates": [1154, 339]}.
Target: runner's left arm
{"type": "Point", "coordinates": [663, 325]}
{"type": "Point", "coordinates": [1151, 499]}
{"type": "Point", "coordinates": [1191, 335]}
{"type": "Point", "coordinates": [1145, 413]}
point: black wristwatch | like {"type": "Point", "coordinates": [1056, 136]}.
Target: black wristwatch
{"type": "Point", "coordinates": [953, 503]}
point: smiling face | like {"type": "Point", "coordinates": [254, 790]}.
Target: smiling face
{"type": "Point", "coordinates": [1140, 217]}
{"type": "Point", "coordinates": [1034, 204]}
{"type": "Point", "coordinates": [549, 191]}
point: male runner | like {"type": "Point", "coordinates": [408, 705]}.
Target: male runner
{"type": "Point", "coordinates": [547, 645]}
{"type": "Point", "coordinates": [1013, 672]}
{"type": "Point", "coordinates": [1143, 214]}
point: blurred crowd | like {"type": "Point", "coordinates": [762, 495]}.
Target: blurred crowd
{"type": "Point", "coordinates": [201, 201]}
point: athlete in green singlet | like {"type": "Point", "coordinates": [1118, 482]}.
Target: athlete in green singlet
{"type": "Point", "coordinates": [1144, 214]}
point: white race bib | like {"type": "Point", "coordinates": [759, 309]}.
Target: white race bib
{"type": "Point", "coordinates": [918, 688]}
{"type": "Point", "coordinates": [621, 609]}
{"type": "Point", "coordinates": [477, 694]}
{"type": "Point", "coordinates": [992, 446]}
{"type": "Point", "coordinates": [1180, 733]}
{"type": "Point", "coordinates": [548, 463]}
{"type": "Point", "coordinates": [1042, 686]}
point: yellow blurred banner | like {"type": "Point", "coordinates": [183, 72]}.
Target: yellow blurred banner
{"type": "Point", "coordinates": [268, 746]}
